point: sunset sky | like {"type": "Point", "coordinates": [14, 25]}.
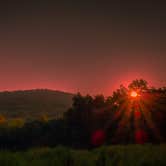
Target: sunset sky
{"type": "Point", "coordinates": [87, 46]}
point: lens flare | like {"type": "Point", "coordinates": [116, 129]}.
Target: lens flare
{"type": "Point", "coordinates": [98, 137]}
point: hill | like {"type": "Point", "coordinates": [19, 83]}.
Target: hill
{"type": "Point", "coordinates": [31, 104]}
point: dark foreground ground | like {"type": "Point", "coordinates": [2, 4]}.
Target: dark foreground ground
{"type": "Point", "coordinates": [130, 155]}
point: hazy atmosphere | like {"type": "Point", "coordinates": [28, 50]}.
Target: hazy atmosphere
{"type": "Point", "coordinates": [72, 46]}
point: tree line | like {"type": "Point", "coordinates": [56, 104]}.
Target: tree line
{"type": "Point", "coordinates": [96, 120]}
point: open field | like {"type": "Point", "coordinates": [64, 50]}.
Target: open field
{"type": "Point", "coordinates": [130, 155]}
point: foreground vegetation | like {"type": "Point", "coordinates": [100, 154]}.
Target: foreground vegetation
{"type": "Point", "coordinates": [133, 115]}
{"type": "Point", "coordinates": [131, 155]}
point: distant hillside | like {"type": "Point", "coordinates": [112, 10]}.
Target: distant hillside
{"type": "Point", "coordinates": [32, 104]}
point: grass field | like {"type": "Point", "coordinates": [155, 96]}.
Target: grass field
{"type": "Point", "coordinates": [131, 155]}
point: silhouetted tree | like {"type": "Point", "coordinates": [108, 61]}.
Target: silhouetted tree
{"type": "Point", "coordinates": [138, 84]}
{"type": "Point", "coordinates": [99, 101]}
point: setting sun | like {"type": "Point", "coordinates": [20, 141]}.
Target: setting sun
{"type": "Point", "coordinates": [133, 94]}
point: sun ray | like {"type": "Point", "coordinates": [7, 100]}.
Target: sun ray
{"type": "Point", "coordinates": [117, 115]}
{"type": "Point", "coordinates": [148, 118]}
{"type": "Point", "coordinates": [124, 125]}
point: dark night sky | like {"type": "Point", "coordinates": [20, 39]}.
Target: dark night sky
{"type": "Point", "coordinates": [87, 46]}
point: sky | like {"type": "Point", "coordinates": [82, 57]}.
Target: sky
{"type": "Point", "coordinates": [86, 46]}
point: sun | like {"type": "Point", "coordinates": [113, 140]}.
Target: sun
{"type": "Point", "coordinates": [134, 94]}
